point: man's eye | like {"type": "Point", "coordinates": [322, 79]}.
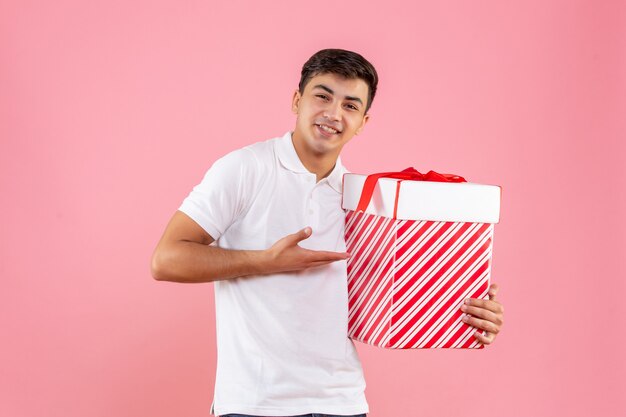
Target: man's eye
{"type": "Point", "coordinates": [352, 106]}
{"type": "Point", "coordinates": [322, 96]}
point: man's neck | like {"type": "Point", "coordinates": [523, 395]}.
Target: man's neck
{"type": "Point", "coordinates": [320, 165]}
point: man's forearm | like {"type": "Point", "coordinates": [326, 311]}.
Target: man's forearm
{"type": "Point", "coordinates": [193, 262]}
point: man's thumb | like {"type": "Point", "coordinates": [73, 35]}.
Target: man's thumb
{"type": "Point", "coordinates": [301, 235]}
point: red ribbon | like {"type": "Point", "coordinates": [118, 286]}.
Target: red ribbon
{"type": "Point", "coordinates": [406, 174]}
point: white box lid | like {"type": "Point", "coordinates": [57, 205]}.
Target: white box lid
{"type": "Point", "coordinates": [426, 200]}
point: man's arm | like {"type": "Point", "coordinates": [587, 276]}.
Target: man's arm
{"type": "Point", "coordinates": [183, 255]}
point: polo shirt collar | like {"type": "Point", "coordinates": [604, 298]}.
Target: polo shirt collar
{"type": "Point", "coordinates": [290, 160]}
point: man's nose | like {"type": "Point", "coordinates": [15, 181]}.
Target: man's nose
{"type": "Point", "coordinates": [333, 111]}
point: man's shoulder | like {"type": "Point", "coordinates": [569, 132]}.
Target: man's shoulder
{"type": "Point", "coordinates": [261, 152]}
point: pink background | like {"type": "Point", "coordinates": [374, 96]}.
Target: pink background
{"type": "Point", "coordinates": [111, 111]}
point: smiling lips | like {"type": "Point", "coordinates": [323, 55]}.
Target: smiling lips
{"type": "Point", "coordinates": [328, 129]}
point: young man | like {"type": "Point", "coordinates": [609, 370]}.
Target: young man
{"type": "Point", "coordinates": [278, 263]}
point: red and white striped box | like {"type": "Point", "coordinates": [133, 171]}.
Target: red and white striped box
{"type": "Point", "coordinates": [419, 248]}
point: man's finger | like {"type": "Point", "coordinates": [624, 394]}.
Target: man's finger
{"type": "Point", "coordinates": [490, 305]}
{"type": "Point", "coordinates": [320, 255]}
{"type": "Point", "coordinates": [493, 291]}
{"type": "Point", "coordinates": [481, 324]}
{"type": "Point", "coordinates": [485, 339]}
{"type": "Point", "coordinates": [482, 313]}
{"type": "Point", "coordinates": [319, 263]}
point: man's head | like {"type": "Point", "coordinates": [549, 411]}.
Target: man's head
{"type": "Point", "coordinates": [347, 64]}
{"type": "Point", "coordinates": [336, 90]}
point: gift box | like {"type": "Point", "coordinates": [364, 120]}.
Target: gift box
{"type": "Point", "coordinates": [420, 245]}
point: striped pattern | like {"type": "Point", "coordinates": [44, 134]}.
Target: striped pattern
{"type": "Point", "coordinates": [408, 278]}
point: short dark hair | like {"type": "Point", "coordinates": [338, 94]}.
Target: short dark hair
{"type": "Point", "coordinates": [345, 63]}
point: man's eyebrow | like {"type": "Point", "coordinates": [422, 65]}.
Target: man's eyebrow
{"type": "Point", "coordinates": [323, 87]}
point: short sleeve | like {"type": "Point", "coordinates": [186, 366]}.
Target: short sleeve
{"type": "Point", "coordinates": [223, 194]}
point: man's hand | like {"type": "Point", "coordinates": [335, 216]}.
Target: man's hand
{"type": "Point", "coordinates": [285, 255]}
{"type": "Point", "coordinates": [485, 315]}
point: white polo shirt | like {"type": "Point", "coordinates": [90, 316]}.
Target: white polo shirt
{"type": "Point", "coordinates": [282, 344]}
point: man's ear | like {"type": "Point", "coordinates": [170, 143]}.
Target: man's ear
{"type": "Point", "coordinates": [295, 102]}
{"type": "Point", "coordinates": [365, 119]}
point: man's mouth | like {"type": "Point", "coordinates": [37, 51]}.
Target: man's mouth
{"type": "Point", "coordinates": [328, 129]}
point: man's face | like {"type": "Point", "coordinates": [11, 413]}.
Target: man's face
{"type": "Point", "coordinates": [331, 110]}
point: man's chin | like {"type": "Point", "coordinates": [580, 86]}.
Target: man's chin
{"type": "Point", "coordinates": [328, 148]}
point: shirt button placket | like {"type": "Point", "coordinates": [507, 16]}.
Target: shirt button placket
{"type": "Point", "coordinates": [312, 209]}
